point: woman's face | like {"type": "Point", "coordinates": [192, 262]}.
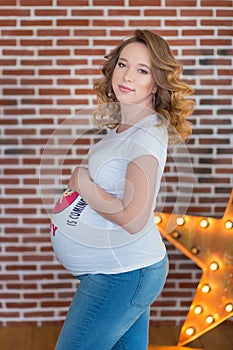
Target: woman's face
{"type": "Point", "coordinates": [132, 79]}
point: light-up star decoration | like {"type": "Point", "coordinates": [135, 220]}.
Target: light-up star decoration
{"type": "Point", "coordinates": [209, 243]}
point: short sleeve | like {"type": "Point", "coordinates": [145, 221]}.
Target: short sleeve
{"type": "Point", "coordinates": [149, 141]}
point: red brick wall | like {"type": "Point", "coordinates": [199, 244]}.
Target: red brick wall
{"type": "Point", "coordinates": [50, 52]}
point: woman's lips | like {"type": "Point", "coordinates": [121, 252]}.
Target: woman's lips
{"type": "Point", "coordinates": [123, 88]}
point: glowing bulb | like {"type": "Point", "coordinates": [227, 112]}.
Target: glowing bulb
{"type": "Point", "coordinates": [176, 234]}
{"type": "Point", "coordinates": [190, 331]}
{"type": "Point", "coordinates": [204, 223]}
{"type": "Point", "coordinates": [228, 224]}
{"type": "Point", "coordinates": [209, 319]}
{"type": "Point", "coordinates": [205, 289]}
{"type": "Point", "coordinates": [198, 310]}
{"type": "Point", "coordinates": [195, 250]}
{"type": "Point", "coordinates": [180, 221]}
{"type": "Point", "coordinates": [214, 266]}
{"type": "Point", "coordinates": [157, 219]}
{"type": "Point", "coordinates": [229, 307]}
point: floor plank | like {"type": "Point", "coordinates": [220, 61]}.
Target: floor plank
{"type": "Point", "coordinates": [161, 338]}
{"type": "Point", "coordinates": [219, 338]}
{"type": "Point", "coordinates": [158, 347]}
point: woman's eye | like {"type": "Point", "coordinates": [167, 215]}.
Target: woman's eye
{"type": "Point", "coordinates": [143, 71]}
{"type": "Point", "coordinates": [121, 65]}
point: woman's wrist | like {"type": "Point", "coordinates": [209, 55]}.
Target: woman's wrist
{"type": "Point", "coordinates": [78, 177]}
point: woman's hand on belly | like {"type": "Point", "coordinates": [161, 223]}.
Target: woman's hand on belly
{"type": "Point", "coordinates": [80, 173]}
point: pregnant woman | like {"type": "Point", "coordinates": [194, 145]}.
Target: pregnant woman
{"type": "Point", "coordinates": [103, 229]}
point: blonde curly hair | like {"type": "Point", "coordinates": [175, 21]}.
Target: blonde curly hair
{"type": "Point", "coordinates": [170, 98]}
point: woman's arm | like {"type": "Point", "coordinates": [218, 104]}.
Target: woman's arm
{"type": "Point", "coordinates": [132, 212]}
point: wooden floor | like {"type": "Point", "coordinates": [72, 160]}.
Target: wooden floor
{"type": "Point", "coordinates": [162, 338]}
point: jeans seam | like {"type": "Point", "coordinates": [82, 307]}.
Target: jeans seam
{"type": "Point", "coordinates": [138, 287]}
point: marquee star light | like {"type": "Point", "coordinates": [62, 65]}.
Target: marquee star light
{"type": "Point", "coordinates": [209, 243]}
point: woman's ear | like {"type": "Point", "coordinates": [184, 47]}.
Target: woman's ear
{"type": "Point", "coordinates": [154, 90]}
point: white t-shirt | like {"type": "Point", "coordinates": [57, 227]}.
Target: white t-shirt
{"type": "Point", "coordinates": [83, 240]}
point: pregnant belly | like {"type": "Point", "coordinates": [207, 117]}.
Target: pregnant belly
{"type": "Point", "coordinates": [80, 223]}
{"type": "Point", "coordinates": [78, 259]}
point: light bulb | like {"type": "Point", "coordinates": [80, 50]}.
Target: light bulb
{"type": "Point", "coordinates": [176, 234]}
{"type": "Point", "coordinates": [190, 331]}
{"type": "Point", "coordinates": [228, 224]}
{"type": "Point", "coordinates": [195, 250]}
{"type": "Point", "coordinates": [180, 221]}
{"type": "Point", "coordinates": [229, 307]}
{"type": "Point", "coordinates": [209, 319]}
{"type": "Point", "coordinates": [198, 309]}
{"type": "Point", "coordinates": [214, 266]}
{"type": "Point", "coordinates": [205, 288]}
{"type": "Point", "coordinates": [204, 223]}
{"type": "Point", "coordinates": [157, 219]}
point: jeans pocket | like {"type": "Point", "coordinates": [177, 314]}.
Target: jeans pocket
{"type": "Point", "coordinates": [150, 284]}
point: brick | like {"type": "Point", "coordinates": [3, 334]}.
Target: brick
{"type": "Point", "coordinates": [224, 13]}
{"type": "Point", "coordinates": [71, 62]}
{"type": "Point", "coordinates": [18, 72]}
{"type": "Point", "coordinates": [72, 2]}
{"type": "Point", "coordinates": [36, 81]}
{"type": "Point", "coordinates": [225, 72]}
{"type": "Point", "coordinates": [144, 3]}
{"type": "Point", "coordinates": [197, 32]}
{"type": "Point", "coordinates": [36, 42]}
{"type": "Point", "coordinates": [17, 91]}
{"type": "Point", "coordinates": [227, 3]}
{"type": "Point", "coordinates": [215, 82]}
{"type": "Point", "coordinates": [54, 92]}
{"type": "Point", "coordinates": [7, 42]}
{"type": "Point", "coordinates": [73, 102]}
{"type": "Point", "coordinates": [50, 12]}
{"type": "Point", "coordinates": [103, 22]}
{"type": "Point", "coordinates": [5, 62]}
{"type": "Point", "coordinates": [54, 111]}
{"type": "Point", "coordinates": [216, 22]}
{"type": "Point", "coordinates": [7, 22]}
{"type": "Point", "coordinates": [72, 42]}
{"type": "Point", "coordinates": [36, 62]}
{"type": "Point", "coordinates": [121, 12]}
{"type": "Point", "coordinates": [36, 2]}
{"type": "Point", "coordinates": [11, 121]}
{"type": "Point", "coordinates": [37, 101]}
{"type": "Point", "coordinates": [168, 12]}
{"type": "Point", "coordinates": [36, 23]}
{"type": "Point", "coordinates": [8, 2]}
{"type": "Point", "coordinates": [225, 32]}
{"type": "Point", "coordinates": [18, 52]}
{"type": "Point", "coordinates": [19, 323]}
{"type": "Point", "coordinates": [225, 92]}
{"type": "Point", "coordinates": [214, 42]}
{"type": "Point", "coordinates": [72, 22]}
{"type": "Point", "coordinates": [215, 102]}
{"type": "Point", "coordinates": [9, 314]}
{"type": "Point", "coordinates": [196, 13]}
{"type": "Point", "coordinates": [54, 52]}
{"type": "Point", "coordinates": [19, 112]}
{"type": "Point", "coordinates": [144, 22]}
{"type": "Point", "coordinates": [53, 32]}
{"type": "Point", "coordinates": [8, 82]}
{"type": "Point", "coordinates": [90, 32]}
{"type": "Point", "coordinates": [14, 12]}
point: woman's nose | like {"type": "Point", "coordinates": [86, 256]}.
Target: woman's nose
{"type": "Point", "coordinates": [128, 76]}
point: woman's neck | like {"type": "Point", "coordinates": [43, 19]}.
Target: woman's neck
{"type": "Point", "coordinates": [131, 114]}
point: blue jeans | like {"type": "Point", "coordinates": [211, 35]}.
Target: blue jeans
{"type": "Point", "coordinates": [111, 312]}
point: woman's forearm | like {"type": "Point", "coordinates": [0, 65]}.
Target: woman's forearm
{"type": "Point", "coordinates": [133, 211]}
{"type": "Point", "coordinates": [104, 203]}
